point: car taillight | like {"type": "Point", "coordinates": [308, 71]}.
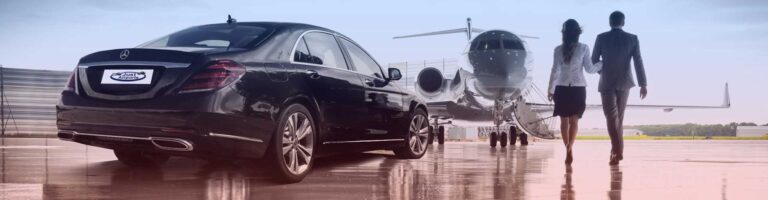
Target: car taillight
{"type": "Point", "coordinates": [71, 83]}
{"type": "Point", "coordinates": [217, 75]}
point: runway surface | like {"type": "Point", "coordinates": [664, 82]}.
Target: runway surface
{"type": "Point", "coordinates": [53, 169]}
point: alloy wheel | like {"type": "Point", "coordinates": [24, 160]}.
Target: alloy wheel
{"type": "Point", "coordinates": [419, 134]}
{"type": "Point", "coordinates": [298, 143]}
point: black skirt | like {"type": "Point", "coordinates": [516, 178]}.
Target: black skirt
{"type": "Point", "coordinates": [570, 101]}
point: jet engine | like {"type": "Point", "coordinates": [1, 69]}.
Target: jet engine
{"type": "Point", "coordinates": [430, 82]}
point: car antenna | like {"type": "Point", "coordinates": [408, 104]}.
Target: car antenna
{"type": "Point", "coordinates": [231, 20]}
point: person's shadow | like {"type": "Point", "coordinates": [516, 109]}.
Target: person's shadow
{"type": "Point", "coordinates": [616, 181]}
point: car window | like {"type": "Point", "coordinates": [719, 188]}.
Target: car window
{"type": "Point", "coordinates": [324, 50]}
{"type": "Point", "coordinates": [302, 53]}
{"type": "Point", "coordinates": [361, 61]}
{"type": "Point", "coordinates": [213, 36]}
{"type": "Point", "coordinates": [213, 43]}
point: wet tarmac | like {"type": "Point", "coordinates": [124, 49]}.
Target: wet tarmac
{"type": "Point", "coordinates": [53, 169]}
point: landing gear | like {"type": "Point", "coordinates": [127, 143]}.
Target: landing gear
{"type": "Point", "coordinates": [494, 139]}
{"type": "Point", "coordinates": [512, 135]}
{"type": "Point", "coordinates": [437, 130]}
{"type": "Point", "coordinates": [431, 134]}
{"type": "Point", "coordinates": [440, 134]}
{"type": "Point", "coordinates": [523, 139]}
{"type": "Point", "coordinates": [503, 139]}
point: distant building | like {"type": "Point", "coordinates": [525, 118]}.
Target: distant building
{"type": "Point", "coordinates": [751, 131]}
{"type": "Point", "coordinates": [481, 133]}
{"type": "Point", "coordinates": [456, 133]}
{"type": "Point", "coordinates": [604, 132]}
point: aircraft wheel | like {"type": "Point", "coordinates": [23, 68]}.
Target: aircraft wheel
{"type": "Point", "coordinates": [441, 134]}
{"type": "Point", "coordinates": [512, 135]}
{"type": "Point", "coordinates": [523, 139]}
{"type": "Point", "coordinates": [503, 139]}
{"type": "Point", "coordinates": [431, 131]}
{"type": "Point", "coordinates": [494, 138]}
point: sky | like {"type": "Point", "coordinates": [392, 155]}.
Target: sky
{"type": "Point", "coordinates": [691, 48]}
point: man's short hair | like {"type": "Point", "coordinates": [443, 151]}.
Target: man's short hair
{"type": "Point", "coordinates": [617, 18]}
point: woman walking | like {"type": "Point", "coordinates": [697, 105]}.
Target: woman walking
{"type": "Point", "coordinates": [567, 86]}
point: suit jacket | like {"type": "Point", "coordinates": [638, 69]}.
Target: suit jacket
{"type": "Point", "coordinates": [616, 48]}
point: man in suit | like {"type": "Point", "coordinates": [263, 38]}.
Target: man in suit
{"type": "Point", "coordinates": [615, 49]}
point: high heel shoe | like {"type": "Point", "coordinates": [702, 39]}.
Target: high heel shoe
{"type": "Point", "coordinates": [569, 157]}
{"type": "Point", "coordinates": [614, 160]}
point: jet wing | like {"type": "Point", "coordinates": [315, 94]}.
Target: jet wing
{"type": "Point", "coordinates": [548, 107]}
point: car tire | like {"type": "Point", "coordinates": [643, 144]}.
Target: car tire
{"type": "Point", "coordinates": [292, 150]}
{"type": "Point", "coordinates": [140, 159]}
{"type": "Point", "coordinates": [416, 141]}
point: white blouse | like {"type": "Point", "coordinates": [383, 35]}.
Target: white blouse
{"type": "Point", "coordinates": [570, 74]}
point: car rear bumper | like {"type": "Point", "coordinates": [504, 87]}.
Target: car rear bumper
{"type": "Point", "coordinates": [192, 132]}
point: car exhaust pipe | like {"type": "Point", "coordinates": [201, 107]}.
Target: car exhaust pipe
{"type": "Point", "coordinates": [66, 135]}
{"type": "Point", "coordinates": [171, 144]}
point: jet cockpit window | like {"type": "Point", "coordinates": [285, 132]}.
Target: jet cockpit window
{"type": "Point", "coordinates": [489, 44]}
{"type": "Point", "coordinates": [513, 45]}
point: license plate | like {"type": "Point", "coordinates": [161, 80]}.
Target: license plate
{"type": "Point", "coordinates": [127, 76]}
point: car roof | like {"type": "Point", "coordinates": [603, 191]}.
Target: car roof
{"type": "Point", "coordinates": [283, 26]}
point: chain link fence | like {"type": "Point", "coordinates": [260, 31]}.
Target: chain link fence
{"type": "Point", "coordinates": [411, 69]}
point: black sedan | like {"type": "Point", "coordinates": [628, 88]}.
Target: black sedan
{"type": "Point", "coordinates": [285, 92]}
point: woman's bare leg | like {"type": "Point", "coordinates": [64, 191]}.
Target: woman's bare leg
{"type": "Point", "coordinates": [573, 128]}
{"type": "Point", "coordinates": [564, 129]}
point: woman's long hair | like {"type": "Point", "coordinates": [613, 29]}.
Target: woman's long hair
{"type": "Point", "coordinates": [571, 31]}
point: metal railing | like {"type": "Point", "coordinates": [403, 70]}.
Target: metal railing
{"type": "Point", "coordinates": [27, 101]}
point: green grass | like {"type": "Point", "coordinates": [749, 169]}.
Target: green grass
{"type": "Point", "coordinates": [645, 137]}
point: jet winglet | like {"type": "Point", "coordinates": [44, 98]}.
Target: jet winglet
{"type": "Point", "coordinates": [727, 98]}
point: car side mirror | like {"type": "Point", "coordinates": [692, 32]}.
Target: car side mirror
{"type": "Point", "coordinates": [394, 74]}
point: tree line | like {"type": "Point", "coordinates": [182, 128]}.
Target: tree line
{"type": "Point", "coordinates": [691, 129]}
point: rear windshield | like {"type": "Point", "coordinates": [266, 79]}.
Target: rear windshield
{"type": "Point", "coordinates": [213, 36]}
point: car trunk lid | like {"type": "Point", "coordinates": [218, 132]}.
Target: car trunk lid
{"type": "Point", "coordinates": [134, 74]}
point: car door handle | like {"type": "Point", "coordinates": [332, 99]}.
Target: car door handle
{"type": "Point", "coordinates": [369, 82]}
{"type": "Point", "coordinates": [312, 74]}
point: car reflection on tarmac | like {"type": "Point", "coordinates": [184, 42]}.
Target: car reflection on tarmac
{"type": "Point", "coordinates": [52, 169]}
